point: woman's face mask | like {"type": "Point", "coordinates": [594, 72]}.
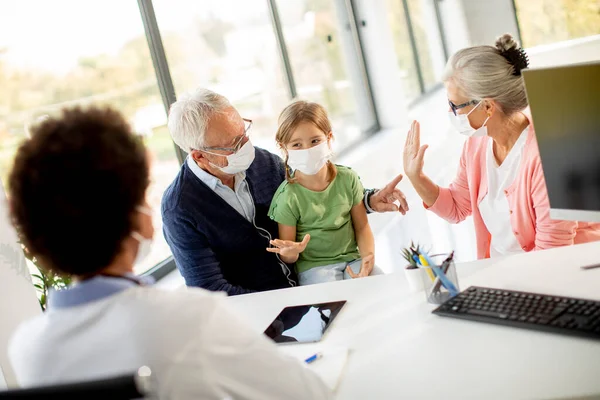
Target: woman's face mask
{"type": "Point", "coordinates": [309, 161]}
{"type": "Point", "coordinates": [463, 126]}
{"type": "Point", "coordinates": [145, 244]}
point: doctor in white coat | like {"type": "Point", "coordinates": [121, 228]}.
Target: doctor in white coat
{"type": "Point", "coordinates": [78, 190]}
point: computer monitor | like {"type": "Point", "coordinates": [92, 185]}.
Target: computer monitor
{"type": "Point", "coordinates": [565, 106]}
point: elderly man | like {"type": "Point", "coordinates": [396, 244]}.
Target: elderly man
{"type": "Point", "coordinates": [215, 212]}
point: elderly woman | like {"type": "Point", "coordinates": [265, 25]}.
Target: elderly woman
{"type": "Point", "coordinates": [78, 197]}
{"type": "Point", "coordinates": [500, 179]}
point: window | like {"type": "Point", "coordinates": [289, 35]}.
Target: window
{"type": "Point", "coordinates": [549, 21]}
{"type": "Point", "coordinates": [418, 44]}
{"type": "Point", "coordinates": [324, 64]}
{"type": "Point", "coordinates": [227, 46]}
{"type": "Point", "coordinates": [402, 44]}
{"type": "Point", "coordinates": [428, 41]}
{"type": "Point", "coordinates": [96, 53]}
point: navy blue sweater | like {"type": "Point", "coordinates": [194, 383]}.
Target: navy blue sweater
{"type": "Point", "coordinates": [214, 246]}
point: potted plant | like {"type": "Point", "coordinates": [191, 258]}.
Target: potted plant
{"type": "Point", "coordinates": [45, 280]}
{"type": "Point", "coordinates": [411, 270]}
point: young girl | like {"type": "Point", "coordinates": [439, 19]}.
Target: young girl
{"type": "Point", "coordinates": [323, 225]}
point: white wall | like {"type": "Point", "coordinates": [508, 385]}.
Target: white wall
{"type": "Point", "coordinates": [476, 22]}
{"type": "Point", "coordinates": [488, 19]}
{"type": "Point", "coordinates": [18, 299]}
{"type": "Point", "coordinates": [378, 46]}
{"type": "Point", "coordinates": [454, 25]}
{"type": "Point", "coordinates": [574, 51]}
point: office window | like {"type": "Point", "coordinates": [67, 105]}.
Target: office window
{"type": "Point", "coordinates": [94, 53]}
{"type": "Point", "coordinates": [227, 46]}
{"type": "Point", "coordinates": [402, 44]}
{"type": "Point", "coordinates": [549, 21]}
{"type": "Point", "coordinates": [324, 63]}
{"type": "Point", "coordinates": [418, 44]}
{"type": "Point", "coordinates": [426, 32]}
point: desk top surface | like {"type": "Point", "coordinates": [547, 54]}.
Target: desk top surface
{"type": "Point", "coordinates": [399, 349]}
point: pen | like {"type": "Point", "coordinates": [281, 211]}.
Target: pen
{"type": "Point", "coordinates": [313, 358]}
{"type": "Point", "coordinates": [424, 263]}
{"type": "Point", "coordinates": [437, 283]}
{"type": "Point", "coordinates": [427, 259]}
{"type": "Point", "coordinates": [446, 282]}
{"type": "Point", "coordinates": [591, 266]}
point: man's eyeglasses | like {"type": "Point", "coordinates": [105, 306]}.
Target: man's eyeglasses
{"type": "Point", "coordinates": [455, 107]}
{"type": "Point", "coordinates": [238, 142]}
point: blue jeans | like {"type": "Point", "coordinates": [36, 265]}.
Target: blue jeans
{"type": "Point", "coordinates": [331, 273]}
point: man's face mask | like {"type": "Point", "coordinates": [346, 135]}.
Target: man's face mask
{"type": "Point", "coordinates": [239, 161]}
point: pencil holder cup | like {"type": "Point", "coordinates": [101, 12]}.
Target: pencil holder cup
{"type": "Point", "coordinates": [439, 280]}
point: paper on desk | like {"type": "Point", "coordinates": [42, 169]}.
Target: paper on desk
{"type": "Point", "coordinates": [330, 367]}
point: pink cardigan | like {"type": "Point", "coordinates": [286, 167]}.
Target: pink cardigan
{"type": "Point", "coordinates": [527, 198]}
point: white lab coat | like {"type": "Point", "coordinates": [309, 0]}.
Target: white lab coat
{"type": "Point", "coordinates": [195, 345]}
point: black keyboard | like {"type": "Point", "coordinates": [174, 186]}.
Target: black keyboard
{"type": "Point", "coordinates": [540, 312]}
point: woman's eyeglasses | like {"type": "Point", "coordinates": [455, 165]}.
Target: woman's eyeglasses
{"type": "Point", "coordinates": [455, 107]}
{"type": "Point", "coordinates": [237, 143]}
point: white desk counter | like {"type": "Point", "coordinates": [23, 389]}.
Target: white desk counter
{"type": "Point", "coordinates": [400, 350]}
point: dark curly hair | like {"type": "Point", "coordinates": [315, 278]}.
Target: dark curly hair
{"type": "Point", "coordinates": [74, 187]}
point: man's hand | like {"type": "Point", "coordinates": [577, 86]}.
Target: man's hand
{"type": "Point", "coordinates": [288, 249]}
{"type": "Point", "coordinates": [366, 266]}
{"type": "Point", "coordinates": [384, 200]}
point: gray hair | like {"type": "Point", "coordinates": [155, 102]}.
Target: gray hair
{"type": "Point", "coordinates": [189, 117]}
{"type": "Point", "coordinates": [487, 72]}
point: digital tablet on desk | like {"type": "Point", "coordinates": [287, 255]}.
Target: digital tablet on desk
{"type": "Point", "coordinates": [305, 323]}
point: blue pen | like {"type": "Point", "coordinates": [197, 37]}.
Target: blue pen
{"type": "Point", "coordinates": [442, 276]}
{"type": "Point", "coordinates": [313, 358]}
{"type": "Point", "coordinates": [445, 281]}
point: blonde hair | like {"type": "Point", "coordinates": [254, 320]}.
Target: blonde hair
{"type": "Point", "coordinates": [294, 115]}
{"type": "Point", "coordinates": [492, 72]}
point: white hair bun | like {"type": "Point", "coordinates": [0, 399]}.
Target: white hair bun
{"type": "Point", "coordinates": [509, 49]}
{"type": "Point", "coordinates": [506, 42]}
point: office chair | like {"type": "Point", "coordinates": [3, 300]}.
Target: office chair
{"type": "Point", "coordinates": [125, 387]}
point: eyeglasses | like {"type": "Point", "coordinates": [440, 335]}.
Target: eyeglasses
{"type": "Point", "coordinates": [455, 107]}
{"type": "Point", "coordinates": [238, 142]}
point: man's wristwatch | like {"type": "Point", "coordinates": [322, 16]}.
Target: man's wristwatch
{"type": "Point", "coordinates": [367, 199]}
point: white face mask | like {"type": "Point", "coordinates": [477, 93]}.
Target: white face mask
{"type": "Point", "coordinates": [238, 161]}
{"type": "Point", "coordinates": [309, 161]}
{"type": "Point", "coordinates": [145, 244]}
{"type": "Point", "coordinates": [463, 126]}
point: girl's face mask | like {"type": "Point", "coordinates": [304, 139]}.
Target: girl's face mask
{"type": "Point", "coordinates": [309, 161]}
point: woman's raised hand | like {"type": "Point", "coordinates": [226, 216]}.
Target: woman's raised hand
{"type": "Point", "coordinates": [414, 152]}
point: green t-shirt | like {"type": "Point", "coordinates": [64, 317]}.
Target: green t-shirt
{"type": "Point", "coordinates": [324, 215]}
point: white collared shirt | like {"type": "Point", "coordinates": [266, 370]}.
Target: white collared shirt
{"type": "Point", "coordinates": [240, 198]}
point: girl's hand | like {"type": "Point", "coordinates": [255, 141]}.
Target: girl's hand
{"type": "Point", "coordinates": [366, 266]}
{"type": "Point", "coordinates": [288, 248]}
{"type": "Point", "coordinates": [414, 152]}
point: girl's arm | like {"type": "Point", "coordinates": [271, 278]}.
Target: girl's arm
{"type": "Point", "coordinates": [364, 238]}
{"type": "Point", "coordinates": [286, 246]}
